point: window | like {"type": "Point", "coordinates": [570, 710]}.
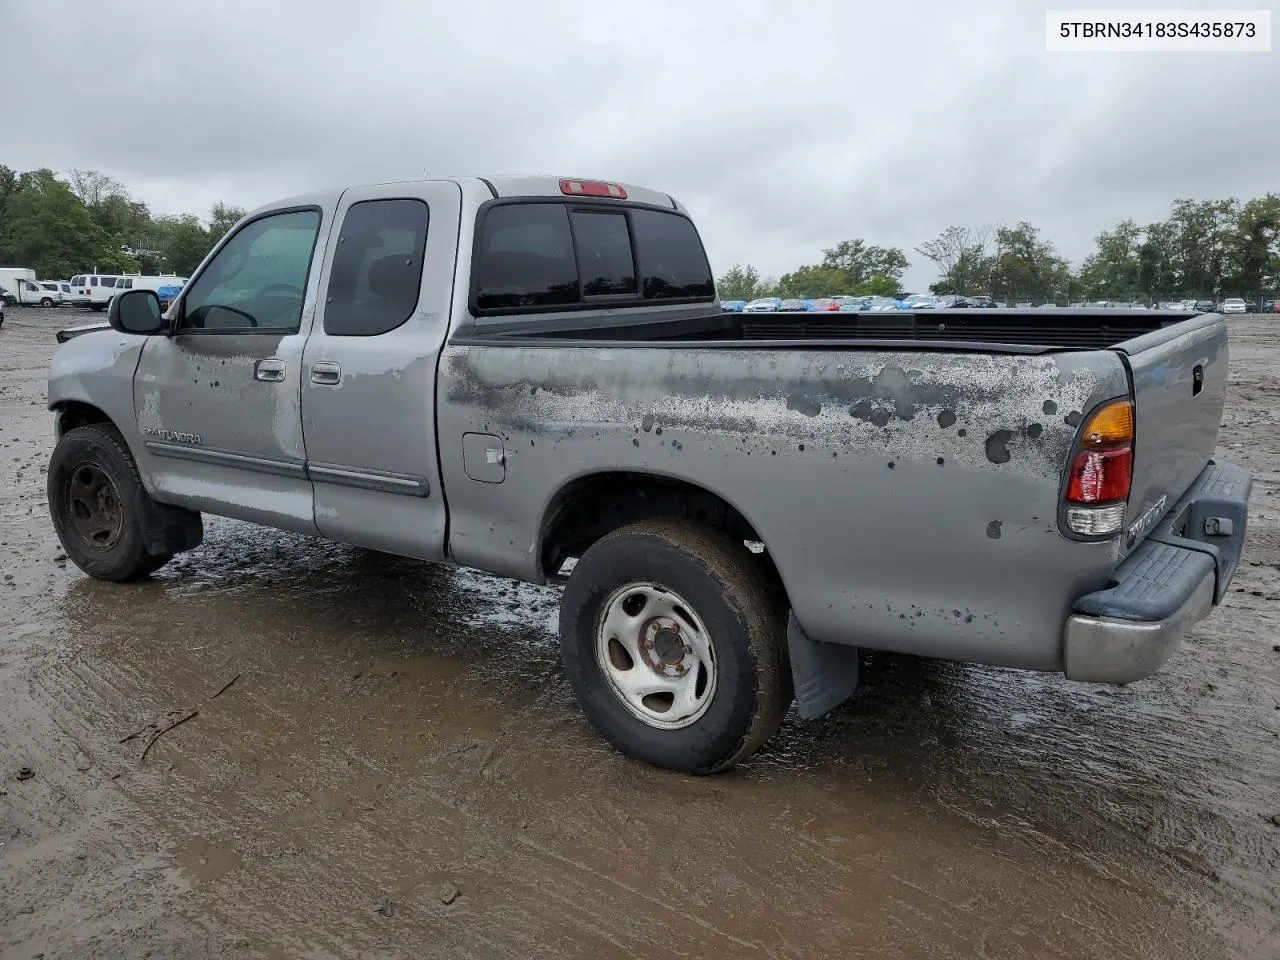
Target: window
{"type": "Point", "coordinates": [107, 281]}
{"type": "Point", "coordinates": [77, 281]}
{"type": "Point", "coordinates": [377, 268]}
{"type": "Point", "coordinates": [604, 253]}
{"type": "Point", "coordinates": [673, 264]}
{"type": "Point", "coordinates": [125, 283]}
{"type": "Point", "coordinates": [93, 281]}
{"type": "Point", "coordinates": [258, 279]}
{"type": "Point", "coordinates": [525, 257]}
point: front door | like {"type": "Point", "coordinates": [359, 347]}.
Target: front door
{"type": "Point", "coordinates": [369, 372]}
{"type": "Point", "coordinates": [217, 403]}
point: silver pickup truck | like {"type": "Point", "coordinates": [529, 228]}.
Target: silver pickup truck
{"type": "Point", "coordinates": [530, 375]}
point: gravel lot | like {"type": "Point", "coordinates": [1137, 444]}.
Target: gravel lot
{"type": "Point", "coordinates": [398, 769]}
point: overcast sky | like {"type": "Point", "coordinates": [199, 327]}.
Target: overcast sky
{"type": "Point", "coordinates": [784, 125]}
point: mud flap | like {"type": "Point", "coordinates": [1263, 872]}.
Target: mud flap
{"type": "Point", "coordinates": [167, 529]}
{"type": "Point", "coordinates": [825, 674]}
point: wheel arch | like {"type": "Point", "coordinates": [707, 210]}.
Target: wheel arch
{"type": "Point", "coordinates": [69, 414]}
{"type": "Point", "coordinates": [591, 505]}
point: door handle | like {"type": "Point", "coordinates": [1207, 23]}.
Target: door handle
{"type": "Point", "coordinates": [325, 373]}
{"type": "Point", "coordinates": [270, 370]}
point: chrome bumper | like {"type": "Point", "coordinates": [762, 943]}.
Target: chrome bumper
{"type": "Point", "coordinates": [1173, 579]}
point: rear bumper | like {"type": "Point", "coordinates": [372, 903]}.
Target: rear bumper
{"type": "Point", "coordinates": [1173, 579]}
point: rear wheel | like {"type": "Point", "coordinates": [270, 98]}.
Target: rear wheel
{"type": "Point", "coordinates": [46, 302]}
{"type": "Point", "coordinates": [674, 640]}
{"type": "Point", "coordinates": [94, 494]}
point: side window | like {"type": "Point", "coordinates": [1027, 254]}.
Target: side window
{"type": "Point", "coordinates": [604, 253]}
{"type": "Point", "coordinates": [125, 284]}
{"type": "Point", "coordinates": [525, 257]}
{"type": "Point", "coordinates": [672, 261]}
{"type": "Point", "coordinates": [258, 279]}
{"type": "Point", "coordinates": [108, 281]}
{"type": "Point", "coordinates": [377, 268]}
{"type": "Point", "coordinates": [93, 281]}
{"type": "Point", "coordinates": [77, 281]}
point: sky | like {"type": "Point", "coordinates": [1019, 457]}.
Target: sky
{"type": "Point", "coordinates": [784, 127]}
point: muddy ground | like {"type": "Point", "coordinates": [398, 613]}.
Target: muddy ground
{"type": "Point", "coordinates": [398, 769]}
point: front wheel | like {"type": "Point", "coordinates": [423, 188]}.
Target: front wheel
{"type": "Point", "coordinates": [46, 303]}
{"type": "Point", "coordinates": [94, 497]}
{"type": "Point", "coordinates": [674, 640]}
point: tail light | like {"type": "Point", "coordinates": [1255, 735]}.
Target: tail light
{"type": "Point", "coordinates": [1102, 472]}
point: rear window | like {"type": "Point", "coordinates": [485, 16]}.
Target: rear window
{"type": "Point", "coordinates": [377, 269]}
{"type": "Point", "coordinates": [548, 255]}
{"type": "Point", "coordinates": [77, 281]}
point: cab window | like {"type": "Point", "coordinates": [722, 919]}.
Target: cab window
{"type": "Point", "coordinates": [258, 280]}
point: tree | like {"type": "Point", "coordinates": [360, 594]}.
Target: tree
{"type": "Point", "coordinates": [184, 241]}
{"type": "Point", "coordinates": [813, 281]}
{"type": "Point", "coordinates": [860, 262]}
{"type": "Point", "coordinates": [1255, 256]}
{"type": "Point", "coordinates": [739, 282]}
{"type": "Point", "coordinates": [221, 219]}
{"type": "Point", "coordinates": [963, 259]}
{"type": "Point", "coordinates": [1027, 267]}
{"type": "Point", "coordinates": [93, 187]}
{"type": "Point", "coordinates": [1114, 270]}
{"type": "Point", "coordinates": [49, 229]}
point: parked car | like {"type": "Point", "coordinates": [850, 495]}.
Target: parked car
{"type": "Point", "coordinates": [855, 304]}
{"type": "Point", "coordinates": [1234, 305]}
{"type": "Point", "coordinates": [1080, 524]}
{"type": "Point", "coordinates": [764, 305]}
{"type": "Point", "coordinates": [732, 306]}
{"type": "Point", "coordinates": [792, 304]}
{"type": "Point", "coordinates": [826, 305]}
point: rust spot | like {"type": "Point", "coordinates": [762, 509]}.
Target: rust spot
{"type": "Point", "coordinates": [647, 422]}
{"type": "Point", "coordinates": [941, 461]}
{"type": "Point", "coordinates": [946, 419]}
{"type": "Point", "coordinates": [1034, 430]}
{"type": "Point", "coordinates": [962, 432]}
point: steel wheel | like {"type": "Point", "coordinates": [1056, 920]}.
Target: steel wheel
{"type": "Point", "coordinates": [93, 505]}
{"type": "Point", "coordinates": [657, 655]}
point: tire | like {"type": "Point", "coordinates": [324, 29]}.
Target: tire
{"type": "Point", "coordinates": [709, 602]}
{"type": "Point", "coordinates": [97, 307]}
{"type": "Point", "coordinates": [46, 303]}
{"type": "Point", "coordinates": [95, 493]}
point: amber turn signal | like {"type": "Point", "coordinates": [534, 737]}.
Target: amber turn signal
{"type": "Point", "coordinates": [1110, 426]}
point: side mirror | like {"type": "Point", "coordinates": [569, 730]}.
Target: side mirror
{"type": "Point", "coordinates": [136, 311]}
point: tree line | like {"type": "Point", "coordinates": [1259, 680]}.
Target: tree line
{"type": "Point", "coordinates": [1204, 249]}
{"type": "Point", "coordinates": [85, 220]}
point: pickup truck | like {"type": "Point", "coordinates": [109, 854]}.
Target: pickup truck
{"type": "Point", "coordinates": [532, 376]}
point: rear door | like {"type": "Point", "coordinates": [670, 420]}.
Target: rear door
{"type": "Point", "coordinates": [369, 371]}
{"type": "Point", "coordinates": [1179, 385]}
{"type": "Point", "coordinates": [218, 402]}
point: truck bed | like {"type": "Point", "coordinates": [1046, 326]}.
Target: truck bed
{"type": "Point", "coordinates": [1000, 330]}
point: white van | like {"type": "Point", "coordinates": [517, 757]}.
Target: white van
{"type": "Point", "coordinates": [93, 290]}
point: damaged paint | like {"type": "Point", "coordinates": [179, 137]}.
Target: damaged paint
{"type": "Point", "coordinates": [872, 400]}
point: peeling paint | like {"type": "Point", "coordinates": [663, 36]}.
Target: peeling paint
{"type": "Point", "coordinates": [993, 529]}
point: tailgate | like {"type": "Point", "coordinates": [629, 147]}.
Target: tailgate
{"type": "Point", "coordinates": [1179, 377]}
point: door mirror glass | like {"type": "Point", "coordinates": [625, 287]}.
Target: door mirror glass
{"type": "Point", "coordinates": [136, 311]}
